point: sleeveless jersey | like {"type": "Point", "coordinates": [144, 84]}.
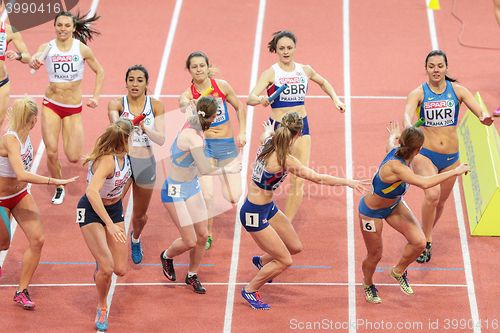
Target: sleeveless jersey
{"type": "Point", "coordinates": [265, 179]}
{"type": "Point", "coordinates": [297, 82]}
{"type": "Point", "coordinates": [3, 41]}
{"type": "Point", "coordinates": [139, 137]}
{"type": "Point", "coordinates": [26, 156]}
{"type": "Point", "coordinates": [181, 158]}
{"type": "Point", "coordinates": [387, 190]}
{"type": "Point", "coordinates": [222, 113]}
{"type": "Point", "coordinates": [113, 187]}
{"type": "Point", "coordinates": [65, 66]}
{"type": "Point", "coordinates": [439, 110]}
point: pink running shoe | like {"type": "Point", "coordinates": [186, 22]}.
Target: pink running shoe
{"type": "Point", "coordinates": [23, 298]}
{"type": "Point", "coordinates": [496, 113]}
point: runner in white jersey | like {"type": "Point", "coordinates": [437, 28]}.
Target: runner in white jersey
{"type": "Point", "coordinates": [150, 130]}
{"type": "Point", "coordinates": [16, 159]}
{"type": "Point", "coordinates": [62, 103]}
{"type": "Point", "coordinates": [7, 35]}
{"type": "Point", "coordinates": [297, 77]}
{"type": "Point", "coordinates": [100, 211]}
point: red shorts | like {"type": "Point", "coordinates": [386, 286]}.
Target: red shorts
{"type": "Point", "coordinates": [62, 110]}
{"type": "Point", "coordinates": [11, 201]}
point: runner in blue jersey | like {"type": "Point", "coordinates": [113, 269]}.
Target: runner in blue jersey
{"type": "Point", "coordinates": [385, 202]}
{"type": "Point", "coordinates": [437, 102]}
{"type": "Point", "coordinates": [181, 192]}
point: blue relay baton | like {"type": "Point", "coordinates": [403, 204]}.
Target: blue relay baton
{"type": "Point", "coordinates": [277, 93]}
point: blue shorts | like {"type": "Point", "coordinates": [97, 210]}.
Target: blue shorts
{"type": "Point", "coordinates": [175, 191]}
{"type": "Point", "coordinates": [256, 217]}
{"type": "Point", "coordinates": [441, 161]}
{"type": "Point", "coordinates": [85, 214]}
{"type": "Point", "coordinates": [221, 149]}
{"type": "Point", "coordinates": [305, 128]}
{"type": "Point", "coordinates": [376, 213]}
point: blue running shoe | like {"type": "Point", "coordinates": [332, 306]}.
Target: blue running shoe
{"type": "Point", "coordinates": [136, 250]}
{"type": "Point", "coordinates": [101, 320]}
{"type": "Point", "coordinates": [254, 300]}
{"type": "Point", "coordinates": [257, 263]}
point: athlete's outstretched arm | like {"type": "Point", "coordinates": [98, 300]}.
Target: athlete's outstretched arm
{"type": "Point", "coordinates": [293, 165]}
{"type": "Point", "coordinates": [254, 98]}
{"type": "Point", "coordinates": [412, 103]}
{"type": "Point", "coordinates": [325, 86]}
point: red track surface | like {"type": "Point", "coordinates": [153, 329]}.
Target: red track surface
{"type": "Point", "coordinates": [388, 43]}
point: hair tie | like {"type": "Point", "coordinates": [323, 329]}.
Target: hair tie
{"type": "Point", "coordinates": [202, 113]}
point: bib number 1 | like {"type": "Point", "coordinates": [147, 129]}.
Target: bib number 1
{"type": "Point", "coordinates": [252, 220]}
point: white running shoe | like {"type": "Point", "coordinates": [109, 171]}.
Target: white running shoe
{"type": "Point", "coordinates": [58, 197]}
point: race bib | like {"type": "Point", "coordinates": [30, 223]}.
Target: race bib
{"type": "Point", "coordinates": [80, 215]}
{"type": "Point", "coordinates": [221, 112]}
{"type": "Point", "coordinates": [139, 139]}
{"type": "Point", "coordinates": [439, 113]}
{"type": "Point", "coordinates": [258, 171]}
{"type": "Point", "coordinates": [252, 220]}
{"type": "Point", "coordinates": [174, 190]}
{"type": "Point", "coordinates": [369, 225]}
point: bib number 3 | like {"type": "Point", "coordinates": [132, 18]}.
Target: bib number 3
{"type": "Point", "coordinates": [174, 190]}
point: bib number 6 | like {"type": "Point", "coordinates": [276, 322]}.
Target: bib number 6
{"type": "Point", "coordinates": [369, 225]}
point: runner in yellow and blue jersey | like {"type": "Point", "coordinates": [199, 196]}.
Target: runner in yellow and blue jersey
{"type": "Point", "coordinates": [385, 202]}
{"type": "Point", "coordinates": [438, 102]}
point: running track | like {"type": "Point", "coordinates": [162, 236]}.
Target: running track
{"type": "Point", "coordinates": [373, 53]}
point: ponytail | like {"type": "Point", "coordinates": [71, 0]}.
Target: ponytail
{"type": "Point", "coordinates": [113, 141]}
{"type": "Point", "coordinates": [21, 113]}
{"type": "Point", "coordinates": [280, 142]}
{"type": "Point", "coordinates": [410, 141]}
{"type": "Point", "coordinates": [82, 24]}
{"type": "Point", "coordinates": [205, 108]}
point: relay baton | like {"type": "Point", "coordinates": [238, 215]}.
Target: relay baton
{"type": "Point", "coordinates": [419, 122]}
{"type": "Point", "coordinates": [137, 120]}
{"type": "Point", "coordinates": [42, 57]}
{"type": "Point", "coordinates": [277, 93]}
{"type": "Point", "coordinates": [207, 91]}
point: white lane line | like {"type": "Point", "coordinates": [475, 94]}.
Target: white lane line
{"type": "Point", "coordinates": [233, 271]}
{"type": "Point", "coordinates": [176, 96]}
{"type": "Point", "coordinates": [274, 284]}
{"type": "Point", "coordinates": [351, 252]}
{"type": "Point", "coordinates": [471, 293]}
